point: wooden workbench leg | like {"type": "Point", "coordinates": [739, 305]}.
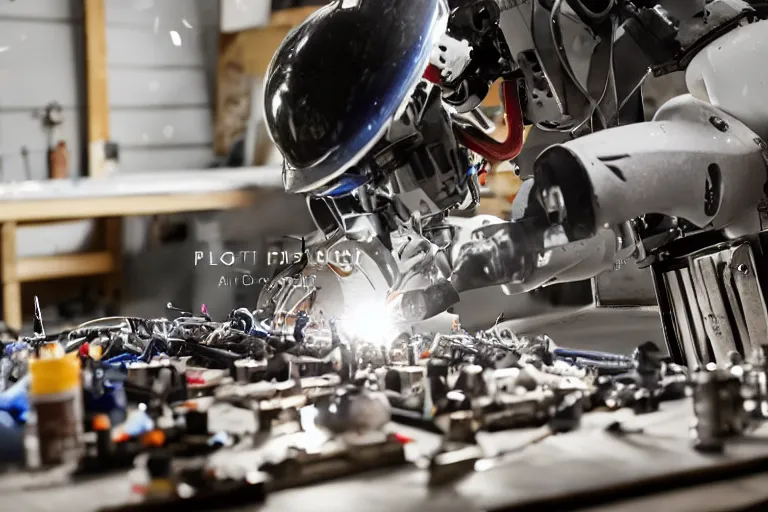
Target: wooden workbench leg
{"type": "Point", "coordinates": [113, 285]}
{"type": "Point", "coordinates": [11, 286]}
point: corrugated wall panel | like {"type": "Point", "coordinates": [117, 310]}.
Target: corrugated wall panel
{"type": "Point", "coordinates": [145, 48]}
{"type": "Point", "coordinates": [46, 10]}
{"type": "Point", "coordinates": [161, 56]}
{"type": "Point", "coordinates": [170, 14]}
{"type": "Point", "coordinates": [40, 45]}
{"type": "Point", "coordinates": [166, 159]}
{"type": "Point", "coordinates": [162, 127]}
{"type": "Point", "coordinates": [23, 128]}
{"type": "Point", "coordinates": [158, 87]}
{"type": "Point", "coordinates": [41, 62]}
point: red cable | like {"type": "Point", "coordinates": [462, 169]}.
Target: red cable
{"type": "Point", "coordinates": [432, 74]}
{"type": "Point", "coordinates": [487, 147]}
{"type": "Point", "coordinates": [491, 149]}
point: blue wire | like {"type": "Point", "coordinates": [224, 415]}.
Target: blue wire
{"type": "Point", "coordinates": [16, 346]}
{"type": "Point", "coordinates": [567, 353]}
{"type": "Point", "coordinates": [471, 172]}
{"type": "Point", "coordinates": [15, 400]}
{"type": "Point", "coordinates": [122, 358]}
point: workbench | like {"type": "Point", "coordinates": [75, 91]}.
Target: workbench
{"type": "Point", "coordinates": [111, 199]}
{"type": "Point", "coordinates": [588, 469]}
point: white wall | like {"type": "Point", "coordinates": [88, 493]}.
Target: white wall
{"type": "Point", "coordinates": [40, 62]}
{"type": "Point", "coordinates": [161, 58]}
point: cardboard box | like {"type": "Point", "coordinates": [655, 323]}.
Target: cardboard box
{"type": "Point", "coordinates": [243, 56]}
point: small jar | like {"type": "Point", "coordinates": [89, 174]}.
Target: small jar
{"type": "Point", "coordinates": [56, 394]}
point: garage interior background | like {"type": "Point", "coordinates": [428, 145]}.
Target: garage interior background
{"type": "Point", "coordinates": [180, 92]}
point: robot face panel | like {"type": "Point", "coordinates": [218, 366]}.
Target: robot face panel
{"type": "Point", "coordinates": [337, 81]}
{"type": "Point", "coordinates": [417, 167]}
{"type": "Point", "coordinates": [434, 175]}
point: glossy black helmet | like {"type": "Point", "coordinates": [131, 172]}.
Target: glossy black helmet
{"type": "Point", "coordinates": [339, 79]}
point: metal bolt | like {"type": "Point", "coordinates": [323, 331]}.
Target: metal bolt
{"type": "Point", "coordinates": [743, 269]}
{"type": "Point", "coordinates": [719, 123]}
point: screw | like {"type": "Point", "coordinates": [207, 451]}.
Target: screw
{"type": "Point", "coordinates": [718, 123]}
{"type": "Point", "coordinates": [743, 269]}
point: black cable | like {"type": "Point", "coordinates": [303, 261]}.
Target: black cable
{"type": "Point", "coordinates": [609, 77]}
{"type": "Point", "coordinates": [584, 12]}
{"type": "Point", "coordinates": [612, 69]}
{"type": "Point", "coordinates": [557, 39]}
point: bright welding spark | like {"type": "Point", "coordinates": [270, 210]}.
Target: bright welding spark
{"type": "Point", "coordinates": [370, 322]}
{"type": "Point", "coordinates": [314, 438]}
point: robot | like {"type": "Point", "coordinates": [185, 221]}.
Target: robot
{"type": "Point", "coordinates": [374, 106]}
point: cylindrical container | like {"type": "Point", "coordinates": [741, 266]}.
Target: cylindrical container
{"type": "Point", "coordinates": [718, 408]}
{"type": "Point", "coordinates": [56, 393]}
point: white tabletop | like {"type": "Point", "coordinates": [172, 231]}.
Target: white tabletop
{"type": "Point", "coordinates": [146, 183]}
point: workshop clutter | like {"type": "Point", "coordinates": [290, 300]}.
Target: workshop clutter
{"type": "Point", "coordinates": [157, 395]}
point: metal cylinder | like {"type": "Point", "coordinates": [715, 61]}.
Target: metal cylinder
{"type": "Point", "coordinates": [710, 293]}
{"type": "Point", "coordinates": [55, 391]}
{"type": "Point", "coordinates": [718, 407]}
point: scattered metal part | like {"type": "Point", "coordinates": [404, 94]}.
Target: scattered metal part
{"type": "Point", "coordinates": [719, 410]}
{"type": "Point", "coordinates": [618, 429]}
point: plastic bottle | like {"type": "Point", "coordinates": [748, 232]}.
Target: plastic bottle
{"type": "Point", "coordinates": [56, 394]}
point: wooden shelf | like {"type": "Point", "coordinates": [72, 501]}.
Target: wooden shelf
{"type": "Point", "coordinates": [71, 209]}
{"type": "Point", "coordinates": [41, 268]}
{"type": "Point", "coordinates": [111, 208]}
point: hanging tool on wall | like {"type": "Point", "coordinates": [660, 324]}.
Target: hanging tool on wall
{"type": "Point", "coordinates": [52, 118]}
{"type": "Point", "coordinates": [25, 163]}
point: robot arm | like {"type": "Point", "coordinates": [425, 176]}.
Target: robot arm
{"type": "Point", "coordinates": [585, 197]}
{"type": "Point", "coordinates": [693, 162]}
{"type": "Point", "coordinates": [623, 193]}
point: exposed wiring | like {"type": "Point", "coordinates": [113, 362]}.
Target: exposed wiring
{"type": "Point", "coordinates": [532, 30]}
{"type": "Point", "coordinates": [635, 89]}
{"type": "Point", "coordinates": [610, 77]}
{"type": "Point", "coordinates": [557, 40]}
{"type": "Point", "coordinates": [612, 68]}
{"type": "Point", "coordinates": [590, 13]}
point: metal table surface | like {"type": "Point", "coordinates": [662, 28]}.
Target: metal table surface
{"type": "Point", "coordinates": [573, 466]}
{"type": "Point", "coordinates": [568, 469]}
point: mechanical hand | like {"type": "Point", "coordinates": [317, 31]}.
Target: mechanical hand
{"type": "Point", "coordinates": [422, 290]}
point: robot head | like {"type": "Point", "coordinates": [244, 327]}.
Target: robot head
{"type": "Point", "coordinates": [369, 125]}
{"type": "Point", "coordinates": [337, 82]}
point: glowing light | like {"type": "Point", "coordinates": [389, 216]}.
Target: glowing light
{"type": "Point", "coordinates": [370, 322]}
{"type": "Point", "coordinates": [175, 38]}
{"type": "Point", "coordinates": [307, 417]}
{"type": "Point", "coordinates": [313, 438]}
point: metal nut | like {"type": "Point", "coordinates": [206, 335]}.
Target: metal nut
{"type": "Point", "coordinates": [719, 123]}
